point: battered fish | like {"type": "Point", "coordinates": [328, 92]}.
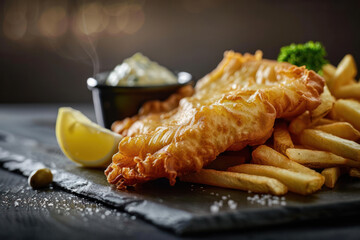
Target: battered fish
{"type": "Point", "coordinates": [232, 107]}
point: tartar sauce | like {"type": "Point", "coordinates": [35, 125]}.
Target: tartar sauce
{"type": "Point", "coordinates": [139, 70]}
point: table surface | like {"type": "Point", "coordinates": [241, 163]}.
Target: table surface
{"type": "Point", "coordinates": [27, 213]}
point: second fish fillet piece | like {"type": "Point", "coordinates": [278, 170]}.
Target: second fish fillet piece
{"type": "Point", "coordinates": [233, 106]}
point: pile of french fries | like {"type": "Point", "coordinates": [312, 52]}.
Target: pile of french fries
{"type": "Point", "coordinates": [304, 153]}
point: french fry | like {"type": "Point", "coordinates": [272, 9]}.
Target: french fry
{"type": "Point", "coordinates": [296, 182]}
{"type": "Point", "coordinates": [352, 163]}
{"type": "Point", "coordinates": [324, 141]}
{"type": "Point", "coordinates": [354, 172]}
{"type": "Point", "coordinates": [229, 159]}
{"type": "Point", "coordinates": [324, 121]}
{"type": "Point", "coordinates": [301, 122]}
{"type": "Point", "coordinates": [308, 119]}
{"type": "Point", "coordinates": [341, 129]}
{"type": "Point", "coordinates": [282, 139]}
{"type": "Point", "coordinates": [348, 91]}
{"type": "Point", "coordinates": [331, 176]}
{"type": "Point", "coordinates": [265, 155]}
{"type": "Point", "coordinates": [348, 110]}
{"type": "Point", "coordinates": [241, 181]}
{"type": "Point", "coordinates": [329, 74]}
{"type": "Point", "coordinates": [345, 72]}
{"type": "Point", "coordinates": [319, 159]}
{"type": "Point", "coordinates": [333, 116]}
{"type": "Point", "coordinates": [315, 159]}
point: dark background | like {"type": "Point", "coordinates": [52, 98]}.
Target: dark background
{"type": "Point", "coordinates": [48, 48]}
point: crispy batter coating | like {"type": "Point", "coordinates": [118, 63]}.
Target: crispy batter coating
{"type": "Point", "coordinates": [233, 106]}
{"type": "Point", "coordinates": [153, 107]}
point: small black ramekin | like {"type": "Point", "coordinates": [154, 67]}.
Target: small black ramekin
{"type": "Point", "coordinates": [116, 103]}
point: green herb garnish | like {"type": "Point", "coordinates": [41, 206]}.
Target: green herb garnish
{"type": "Point", "coordinates": [311, 54]}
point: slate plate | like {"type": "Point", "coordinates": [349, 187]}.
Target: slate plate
{"type": "Point", "coordinates": [185, 208]}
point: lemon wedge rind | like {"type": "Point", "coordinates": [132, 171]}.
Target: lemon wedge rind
{"type": "Point", "coordinates": [83, 141]}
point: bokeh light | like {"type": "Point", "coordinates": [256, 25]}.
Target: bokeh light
{"type": "Point", "coordinates": [53, 19]}
{"type": "Point", "coordinates": [90, 19]}
{"type": "Point", "coordinates": [119, 16]}
{"type": "Point", "coordinates": [15, 23]}
{"type": "Point", "coordinates": [122, 17]}
{"type": "Point", "coordinates": [136, 19]}
{"type": "Point", "coordinates": [53, 22]}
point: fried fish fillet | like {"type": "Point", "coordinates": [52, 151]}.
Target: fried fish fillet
{"type": "Point", "coordinates": [232, 107]}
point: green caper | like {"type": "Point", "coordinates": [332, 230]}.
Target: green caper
{"type": "Point", "coordinates": [40, 178]}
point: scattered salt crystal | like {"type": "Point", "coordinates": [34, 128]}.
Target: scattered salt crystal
{"type": "Point", "coordinates": [266, 199]}
{"type": "Point", "coordinates": [232, 204]}
{"type": "Point", "coordinates": [107, 213]}
{"type": "Point", "coordinates": [214, 208]}
{"type": "Point", "coordinates": [224, 197]}
{"type": "Point", "coordinates": [133, 217]}
{"type": "Point", "coordinates": [102, 216]}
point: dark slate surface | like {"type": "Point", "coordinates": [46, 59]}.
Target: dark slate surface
{"type": "Point", "coordinates": [27, 142]}
{"type": "Point", "coordinates": [57, 214]}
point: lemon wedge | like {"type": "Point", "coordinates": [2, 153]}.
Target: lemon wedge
{"type": "Point", "coordinates": [84, 141]}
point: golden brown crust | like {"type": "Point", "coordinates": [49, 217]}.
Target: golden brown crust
{"type": "Point", "coordinates": [233, 106]}
{"type": "Point", "coordinates": [155, 106]}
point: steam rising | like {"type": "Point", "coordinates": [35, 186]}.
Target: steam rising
{"type": "Point", "coordinates": [89, 47]}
